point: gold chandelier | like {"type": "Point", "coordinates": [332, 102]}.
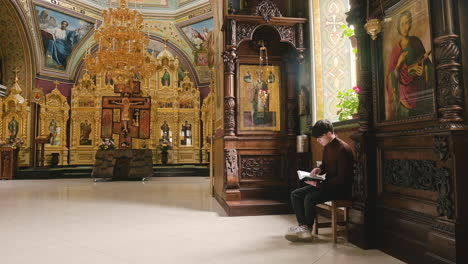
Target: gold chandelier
{"type": "Point", "coordinates": [122, 54]}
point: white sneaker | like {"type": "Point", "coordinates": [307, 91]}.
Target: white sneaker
{"type": "Point", "coordinates": [298, 233]}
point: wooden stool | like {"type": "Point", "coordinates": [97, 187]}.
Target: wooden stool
{"type": "Point", "coordinates": [333, 207]}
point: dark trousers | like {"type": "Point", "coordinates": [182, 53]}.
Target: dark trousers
{"type": "Point", "coordinates": [304, 200]}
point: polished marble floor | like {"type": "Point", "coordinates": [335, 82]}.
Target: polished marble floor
{"type": "Point", "coordinates": [163, 220]}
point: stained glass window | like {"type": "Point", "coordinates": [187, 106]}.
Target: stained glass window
{"type": "Point", "coordinates": [334, 60]}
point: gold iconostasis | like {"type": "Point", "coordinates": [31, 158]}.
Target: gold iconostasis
{"type": "Point", "coordinates": [175, 115]}
{"type": "Point", "coordinates": [75, 130]}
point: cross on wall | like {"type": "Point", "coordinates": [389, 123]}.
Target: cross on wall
{"type": "Point", "coordinates": [133, 121]}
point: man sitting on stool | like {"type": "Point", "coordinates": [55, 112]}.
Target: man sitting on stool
{"type": "Point", "coordinates": [337, 163]}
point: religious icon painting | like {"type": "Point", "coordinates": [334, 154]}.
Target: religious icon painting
{"type": "Point", "coordinates": [202, 58]}
{"type": "Point", "coordinates": [408, 62]}
{"type": "Point", "coordinates": [106, 123]}
{"type": "Point", "coordinates": [86, 102]}
{"type": "Point", "coordinates": [13, 127]}
{"type": "Point", "coordinates": [54, 129]}
{"type": "Point", "coordinates": [85, 131]}
{"type": "Point", "coordinates": [259, 98]}
{"type": "Point", "coordinates": [165, 77]}
{"type": "Point", "coordinates": [37, 95]}
{"type": "Point", "coordinates": [144, 124]}
{"type": "Point", "coordinates": [198, 32]}
{"type": "Point", "coordinates": [116, 115]}
{"type": "Point", "coordinates": [135, 87]}
{"type": "Point", "coordinates": [60, 34]}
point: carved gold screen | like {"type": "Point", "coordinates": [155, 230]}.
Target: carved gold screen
{"type": "Point", "coordinates": [259, 98]}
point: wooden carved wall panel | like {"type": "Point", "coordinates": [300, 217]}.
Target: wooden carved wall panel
{"type": "Point", "coordinates": [267, 10]}
{"type": "Point", "coordinates": [443, 186]}
{"type": "Point", "coordinates": [230, 60]}
{"type": "Point", "coordinates": [447, 50]}
{"type": "Point", "coordinates": [300, 36]}
{"type": "Point", "coordinates": [260, 167]}
{"type": "Point", "coordinates": [443, 227]}
{"type": "Point", "coordinates": [441, 147]}
{"type": "Point", "coordinates": [359, 180]}
{"type": "Point", "coordinates": [422, 175]}
{"type": "Point", "coordinates": [229, 115]}
{"type": "Point", "coordinates": [232, 169]}
{"type": "Point", "coordinates": [449, 93]}
{"type": "Point", "coordinates": [232, 40]}
{"type": "Point", "coordinates": [287, 33]}
{"type": "Point", "coordinates": [244, 31]}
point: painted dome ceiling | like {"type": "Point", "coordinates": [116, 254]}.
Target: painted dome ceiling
{"type": "Point", "coordinates": [153, 6]}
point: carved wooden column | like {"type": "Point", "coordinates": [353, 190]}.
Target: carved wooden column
{"type": "Point", "coordinates": [292, 109]}
{"type": "Point", "coordinates": [232, 175]}
{"type": "Point", "coordinates": [300, 42]}
{"type": "Point", "coordinates": [451, 186]}
{"type": "Point", "coordinates": [230, 62]}
{"type": "Point", "coordinates": [362, 214]}
{"type": "Point", "coordinates": [450, 92]}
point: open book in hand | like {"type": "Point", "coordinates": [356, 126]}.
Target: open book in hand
{"type": "Point", "coordinates": [306, 176]}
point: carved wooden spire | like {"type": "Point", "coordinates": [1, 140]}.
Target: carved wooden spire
{"type": "Point", "coordinates": [267, 10]}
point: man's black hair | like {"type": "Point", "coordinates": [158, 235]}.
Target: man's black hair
{"type": "Point", "coordinates": [322, 127]}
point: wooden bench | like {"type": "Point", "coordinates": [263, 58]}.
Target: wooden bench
{"type": "Point", "coordinates": [333, 207]}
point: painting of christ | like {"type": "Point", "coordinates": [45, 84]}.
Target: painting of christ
{"type": "Point", "coordinates": [60, 34]}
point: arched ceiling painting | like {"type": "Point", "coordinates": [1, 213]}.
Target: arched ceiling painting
{"type": "Point", "coordinates": [155, 4]}
{"type": "Point", "coordinates": [185, 18]}
{"type": "Point", "coordinates": [16, 55]}
{"type": "Point", "coordinates": [60, 35]}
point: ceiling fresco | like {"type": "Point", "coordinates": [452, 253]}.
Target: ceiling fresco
{"type": "Point", "coordinates": [186, 24]}
{"type": "Point", "coordinates": [156, 4]}
{"type": "Point", "coordinates": [60, 34]}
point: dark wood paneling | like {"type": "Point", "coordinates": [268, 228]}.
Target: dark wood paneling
{"type": "Point", "coordinates": [414, 174]}
{"type": "Point", "coordinates": [401, 237]}
{"type": "Point", "coordinates": [256, 176]}
{"type": "Point", "coordinates": [218, 167]}
{"type": "Point", "coordinates": [409, 203]}
{"type": "Point", "coordinates": [8, 162]}
{"type": "Point", "coordinates": [441, 248]}
{"type": "Point", "coordinates": [408, 192]}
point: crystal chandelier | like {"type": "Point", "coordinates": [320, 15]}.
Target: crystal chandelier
{"type": "Point", "coordinates": [122, 53]}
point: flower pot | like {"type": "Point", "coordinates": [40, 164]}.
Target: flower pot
{"type": "Point", "coordinates": [353, 40]}
{"type": "Point", "coordinates": [55, 160]}
{"type": "Point", "coordinates": [164, 157]}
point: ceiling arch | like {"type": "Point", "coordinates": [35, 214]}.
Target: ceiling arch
{"type": "Point", "coordinates": [16, 46]}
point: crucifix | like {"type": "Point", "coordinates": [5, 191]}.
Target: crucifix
{"type": "Point", "coordinates": [125, 115]}
{"type": "Point", "coordinates": [129, 117]}
{"type": "Point", "coordinates": [16, 70]}
{"type": "Point", "coordinates": [56, 84]}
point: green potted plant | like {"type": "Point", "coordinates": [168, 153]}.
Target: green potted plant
{"type": "Point", "coordinates": [348, 104]}
{"type": "Point", "coordinates": [349, 33]}
{"type": "Point", "coordinates": [164, 146]}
